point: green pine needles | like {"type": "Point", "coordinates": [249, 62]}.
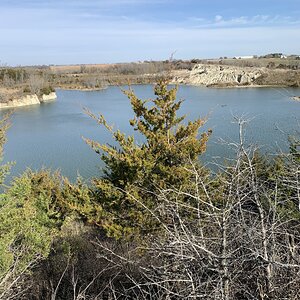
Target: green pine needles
{"type": "Point", "coordinates": [124, 196]}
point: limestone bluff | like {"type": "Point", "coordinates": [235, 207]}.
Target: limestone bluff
{"type": "Point", "coordinates": [217, 75]}
{"type": "Point", "coordinates": [28, 100]}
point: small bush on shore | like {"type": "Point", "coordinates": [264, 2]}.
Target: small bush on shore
{"type": "Point", "coordinates": [46, 90]}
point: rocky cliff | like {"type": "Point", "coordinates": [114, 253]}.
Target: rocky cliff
{"type": "Point", "coordinates": [226, 76]}
{"type": "Point", "coordinates": [27, 100]}
{"type": "Point", "coordinates": [51, 96]}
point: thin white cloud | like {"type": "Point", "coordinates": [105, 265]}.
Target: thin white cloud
{"type": "Point", "coordinates": [116, 45]}
{"type": "Point", "coordinates": [218, 18]}
{"type": "Point", "coordinates": [45, 35]}
{"type": "Point", "coordinates": [246, 21]}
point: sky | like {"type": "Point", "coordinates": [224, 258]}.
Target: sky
{"type": "Point", "coordinates": [40, 32]}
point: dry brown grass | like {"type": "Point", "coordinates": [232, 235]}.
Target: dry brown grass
{"type": "Point", "coordinates": [78, 68]}
{"type": "Point", "coordinates": [9, 93]}
{"type": "Point", "coordinates": [281, 63]}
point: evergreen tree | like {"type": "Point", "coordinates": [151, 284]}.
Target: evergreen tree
{"type": "Point", "coordinates": [133, 173]}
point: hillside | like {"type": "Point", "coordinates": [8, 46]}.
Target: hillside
{"type": "Point", "coordinates": [16, 84]}
{"type": "Point", "coordinates": [220, 75]}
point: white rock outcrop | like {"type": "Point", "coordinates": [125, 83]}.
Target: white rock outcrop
{"type": "Point", "coordinates": [27, 100]}
{"type": "Point", "coordinates": [204, 74]}
{"type": "Point", "coordinates": [51, 96]}
{"type": "Point", "coordinates": [23, 101]}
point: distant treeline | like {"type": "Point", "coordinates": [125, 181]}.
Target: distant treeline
{"type": "Point", "coordinates": [18, 81]}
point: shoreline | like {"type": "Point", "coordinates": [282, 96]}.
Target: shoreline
{"type": "Point", "coordinates": [81, 89]}
{"type": "Point", "coordinates": [33, 99]}
{"type": "Point", "coordinates": [27, 100]}
{"type": "Point", "coordinates": [217, 86]}
{"type": "Point", "coordinates": [243, 86]}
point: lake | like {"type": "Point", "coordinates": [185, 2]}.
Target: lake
{"type": "Point", "coordinates": [50, 135]}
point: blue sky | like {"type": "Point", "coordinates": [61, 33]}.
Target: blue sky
{"type": "Point", "coordinates": [105, 31]}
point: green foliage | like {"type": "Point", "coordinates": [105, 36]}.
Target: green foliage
{"type": "Point", "coordinates": [32, 212]}
{"type": "Point", "coordinates": [134, 173]}
{"type": "Point", "coordinates": [30, 218]}
{"type": "Point", "coordinates": [46, 90]}
{"type": "Point", "coordinates": [77, 200]}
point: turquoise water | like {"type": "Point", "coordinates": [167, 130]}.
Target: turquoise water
{"type": "Point", "coordinates": [50, 135]}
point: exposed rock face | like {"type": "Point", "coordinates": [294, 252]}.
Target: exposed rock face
{"type": "Point", "coordinates": [210, 75]}
{"type": "Point", "coordinates": [232, 76]}
{"type": "Point", "coordinates": [296, 98]}
{"type": "Point", "coordinates": [27, 100]}
{"type": "Point", "coordinates": [51, 96]}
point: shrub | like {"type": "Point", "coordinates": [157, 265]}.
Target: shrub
{"type": "Point", "coordinates": [135, 172]}
{"type": "Point", "coordinates": [46, 90]}
{"type": "Point", "coordinates": [30, 219]}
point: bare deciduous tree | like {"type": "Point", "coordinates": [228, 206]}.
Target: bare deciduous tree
{"type": "Point", "coordinates": [36, 83]}
{"type": "Point", "coordinates": [220, 241]}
